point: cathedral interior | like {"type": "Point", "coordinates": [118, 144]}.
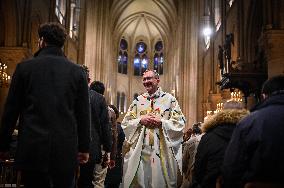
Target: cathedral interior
{"type": "Point", "coordinates": [206, 51]}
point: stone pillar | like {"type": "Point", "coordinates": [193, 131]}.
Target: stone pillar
{"type": "Point", "coordinates": [274, 48]}
{"type": "Point", "coordinates": [98, 53]}
{"type": "Point", "coordinates": [187, 40]}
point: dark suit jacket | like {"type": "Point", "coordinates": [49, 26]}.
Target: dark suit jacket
{"type": "Point", "coordinates": [100, 127]}
{"type": "Point", "coordinates": [50, 96]}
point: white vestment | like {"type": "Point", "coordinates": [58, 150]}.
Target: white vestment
{"type": "Point", "coordinates": [153, 155]}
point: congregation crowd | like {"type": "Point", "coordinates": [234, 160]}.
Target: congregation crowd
{"type": "Point", "coordinates": [68, 136]}
{"type": "Point", "coordinates": [238, 147]}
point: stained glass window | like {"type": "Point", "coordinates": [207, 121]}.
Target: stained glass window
{"type": "Point", "coordinates": [141, 47]}
{"type": "Point", "coordinates": [159, 57]}
{"type": "Point", "coordinates": [60, 11]}
{"type": "Point", "coordinates": [217, 16]}
{"type": "Point", "coordinates": [141, 60]}
{"type": "Point", "coordinates": [230, 2]}
{"type": "Point", "coordinates": [122, 58]}
{"type": "Point", "coordinates": [74, 19]}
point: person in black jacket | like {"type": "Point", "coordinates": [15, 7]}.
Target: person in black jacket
{"type": "Point", "coordinates": [212, 146]}
{"type": "Point", "coordinates": [49, 95]}
{"type": "Point", "coordinates": [255, 152]}
{"type": "Point", "coordinates": [100, 137]}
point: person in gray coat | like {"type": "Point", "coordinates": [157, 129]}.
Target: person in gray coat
{"type": "Point", "coordinates": [49, 95]}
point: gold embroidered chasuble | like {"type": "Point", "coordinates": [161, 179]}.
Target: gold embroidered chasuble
{"type": "Point", "coordinates": [153, 155]}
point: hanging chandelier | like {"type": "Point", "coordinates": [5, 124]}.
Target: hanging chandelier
{"type": "Point", "coordinates": [4, 77]}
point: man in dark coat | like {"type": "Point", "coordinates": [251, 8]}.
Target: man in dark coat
{"type": "Point", "coordinates": [100, 134]}
{"type": "Point", "coordinates": [255, 152]}
{"type": "Point", "coordinates": [212, 146]}
{"type": "Point", "coordinates": [50, 96]}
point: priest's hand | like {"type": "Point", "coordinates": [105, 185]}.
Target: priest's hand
{"type": "Point", "coordinates": [151, 121]}
{"type": "Point", "coordinates": [146, 119]}
{"type": "Point", "coordinates": [156, 121]}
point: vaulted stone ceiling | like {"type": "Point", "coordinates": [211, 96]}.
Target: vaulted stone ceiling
{"type": "Point", "coordinates": [147, 18]}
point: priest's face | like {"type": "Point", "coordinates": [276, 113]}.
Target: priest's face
{"type": "Point", "coordinates": [150, 82]}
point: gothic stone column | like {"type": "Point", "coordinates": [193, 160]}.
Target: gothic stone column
{"type": "Point", "coordinates": [274, 48]}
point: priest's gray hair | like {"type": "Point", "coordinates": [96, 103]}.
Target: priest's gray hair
{"type": "Point", "coordinates": [156, 74]}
